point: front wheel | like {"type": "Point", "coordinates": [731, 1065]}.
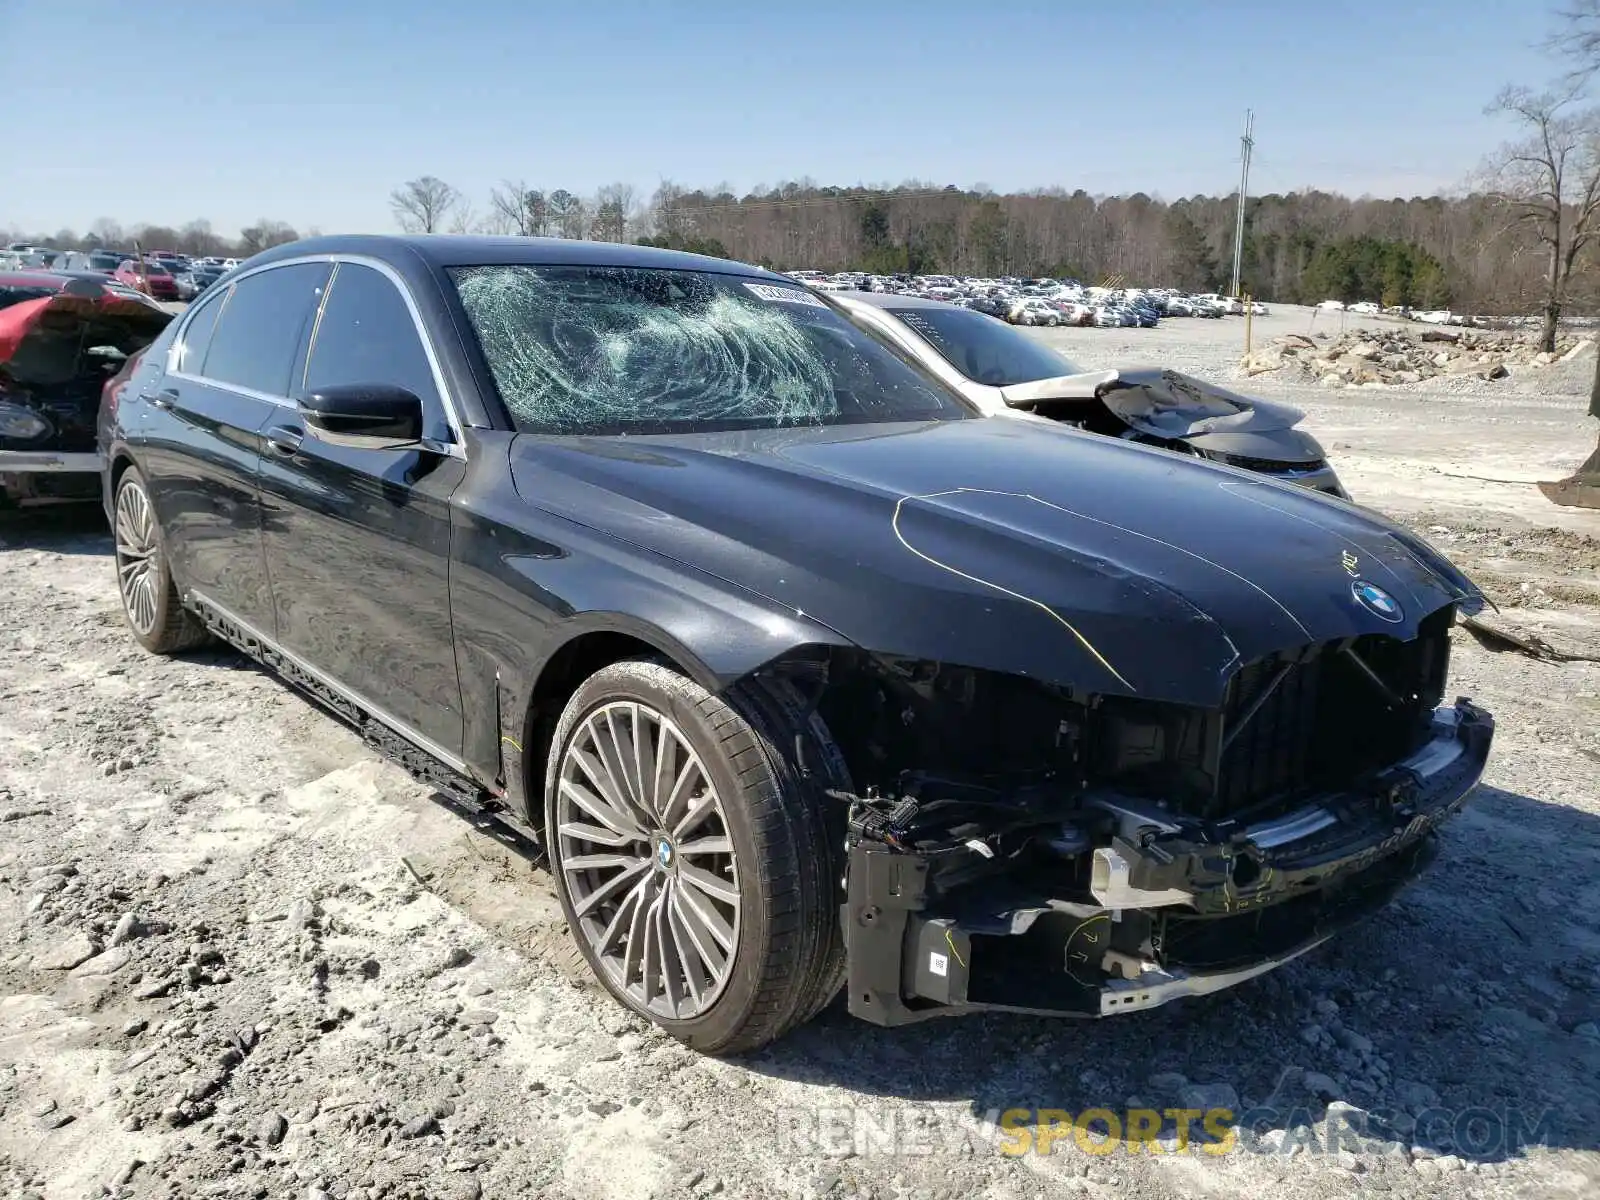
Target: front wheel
{"type": "Point", "coordinates": [694, 864]}
{"type": "Point", "coordinates": [155, 615]}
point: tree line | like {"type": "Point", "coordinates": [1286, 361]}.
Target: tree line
{"type": "Point", "coordinates": [1426, 251]}
{"type": "Point", "coordinates": [196, 238]}
{"type": "Point", "coordinates": [1299, 247]}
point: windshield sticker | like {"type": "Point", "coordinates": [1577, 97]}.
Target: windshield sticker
{"type": "Point", "coordinates": [784, 295]}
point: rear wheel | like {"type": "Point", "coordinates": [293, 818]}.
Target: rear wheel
{"type": "Point", "coordinates": [693, 863]}
{"type": "Point", "coordinates": [150, 603]}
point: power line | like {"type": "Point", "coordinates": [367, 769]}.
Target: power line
{"type": "Point", "coordinates": [868, 196]}
{"type": "Point", "coordinates": [862, 197]}
{"type": "Point", "coordinates": [1246, 144]}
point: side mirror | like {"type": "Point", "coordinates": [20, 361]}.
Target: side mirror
{"type": "Point", "coordinates": [364, 416]}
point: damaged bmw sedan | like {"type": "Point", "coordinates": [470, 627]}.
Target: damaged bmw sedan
{"type": "Point", "coordinates": [802, 673]}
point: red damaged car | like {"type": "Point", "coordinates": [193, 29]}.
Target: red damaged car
{"type": "Point", "coordinates": [62, 336]}
{"type": "Point", "coordinates": [150, 278]}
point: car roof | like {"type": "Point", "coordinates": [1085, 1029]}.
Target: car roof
{"type": "Point", "coordinates": [57, 279]}
{"type": "Point", "coordinates": [461, 250]}
{"type": "Point", "coordinates": [890, 300]}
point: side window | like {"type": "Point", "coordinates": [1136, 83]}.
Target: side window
{"type": "Point", "coordinates": [367, 335]}
{"type": "Point", "coordinates": [197, 334]}
{"type": "Point", "coordinates": [256, 343]}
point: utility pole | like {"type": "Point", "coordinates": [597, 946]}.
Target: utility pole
{"type": "Point", "coordinates": [1246, 144]}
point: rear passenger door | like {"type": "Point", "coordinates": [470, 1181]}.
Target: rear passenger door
{"type": "Point", "coordinates": [358, 540]}
{"type": "Point", "coordinates": [199, 437]}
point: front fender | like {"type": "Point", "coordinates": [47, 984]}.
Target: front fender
{"type": "Point", "coordinates": [526, 584]}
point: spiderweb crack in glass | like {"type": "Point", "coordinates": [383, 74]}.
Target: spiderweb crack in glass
{"type": "Point", "coordinates": [606, 349]}
{"type": "Point", "coordinates": [598, 361]}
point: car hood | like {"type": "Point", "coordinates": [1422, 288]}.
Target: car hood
{"type": "Point", "coordinates": [1013, 546]}
{"type": "Point", "coordinates": [1159, 402]}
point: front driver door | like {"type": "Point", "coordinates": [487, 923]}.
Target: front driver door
{"type": "Point", "coordinates": [358, 541]}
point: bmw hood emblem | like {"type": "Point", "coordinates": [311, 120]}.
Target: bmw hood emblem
{"type": "Point", "coordinates": [1377, 601]}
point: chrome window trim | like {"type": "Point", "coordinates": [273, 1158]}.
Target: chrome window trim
{"type": "Point", "coordinates": [455, 449]}
{"type": "Point", "coordinates": [316, 325]}
{"type": "Point", "coordinates": [181, 342]}
{"type": "Point", "coordinates": [236, 389]}
{"type": "Point", "coordinates": [421, 741]}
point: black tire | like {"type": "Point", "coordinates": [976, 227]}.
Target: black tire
{"type": "Point", "coordinates": [787, 958]}
{"type": "Point", "coordinates": [150, 604]}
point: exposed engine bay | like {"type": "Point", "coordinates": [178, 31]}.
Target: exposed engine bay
{"type": "Point", "coordinates": [1016, 845]}
{"type": "Point", "coordinates": [56, 354]}
{"type": "Point", "coordinates": [1166, 408]}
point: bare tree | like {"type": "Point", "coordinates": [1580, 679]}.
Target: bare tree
{"type": "Point", "coordinates": [514, 207]}
{"type": "Point", "coordinates": [264, 235]}
{"type": "Point", "coordinates": [668, 215]}
{"type": "Point", "coordinates": [157, 237]}
{"type": "Point", "coordinates": [105, 232]}
{"type": "Point", "coordinates": [615, 211]}
{"type": "Point", "coordinates": [1548, 182]}
{"type": "Point", "coordinates": [1579, 43]}
{"type": "Point", "coordinates": [197, 238]}
{"type": "Point", "coordinates": [1578, 39]}
{"type": "Point", "coordinates": [424, 204]}
{"type": "Point", "coordinates": [497, 223]}
{"type": "Point", "coordinates": [567, 213]}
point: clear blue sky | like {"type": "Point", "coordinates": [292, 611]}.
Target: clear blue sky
{"type": "Point", "coordinates": [310, 111]}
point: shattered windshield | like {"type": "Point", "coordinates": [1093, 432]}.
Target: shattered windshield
{"type": "Point", "coordinates": [628, 350]}
{"type": "Point", "coordinates": [983, 349]}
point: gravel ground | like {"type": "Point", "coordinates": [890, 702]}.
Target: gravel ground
{"type": "Point", "coordinates": [243, 957]}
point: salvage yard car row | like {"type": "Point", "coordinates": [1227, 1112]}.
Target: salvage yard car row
{"type": "Point", "coordinates": [1048, 302]}
{"type": "Point", "coordinates": [160, 273]}
{"type": "Point", "coordinates": [822, 641]}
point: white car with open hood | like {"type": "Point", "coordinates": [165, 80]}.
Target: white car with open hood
{"type": "Point", "coordinates": [1008, 373]}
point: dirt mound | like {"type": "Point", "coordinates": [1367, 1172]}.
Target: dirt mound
{"type": "Point", "coordinates": [1379, 358]}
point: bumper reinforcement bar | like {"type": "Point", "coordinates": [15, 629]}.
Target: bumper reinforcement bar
{"type": "Point", "coordinates": [1223, 901]}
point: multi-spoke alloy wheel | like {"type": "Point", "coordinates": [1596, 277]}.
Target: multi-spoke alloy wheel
{"type": "Point", "coordinates": [647, 860]}
{"type": "Point", "coordinates": [157, 618]}
{"type": "Point", "coordinates": [695, 860]}
{"type": "Point", "coordinates": [138, 559]}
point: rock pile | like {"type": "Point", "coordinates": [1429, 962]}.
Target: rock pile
{"type": "Point", "coordinates": [1381, 357]}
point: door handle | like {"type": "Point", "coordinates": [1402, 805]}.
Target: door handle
{"type": "Point", "coordinates": [284, 441]}
{"type": "Point", "coordinates": [165, 398]}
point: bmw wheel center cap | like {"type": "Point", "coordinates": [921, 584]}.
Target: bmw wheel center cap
{"type": "Point", "coordinates": [1376, 601]}
{"type": "Point", "coordinates": [665, 855]}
